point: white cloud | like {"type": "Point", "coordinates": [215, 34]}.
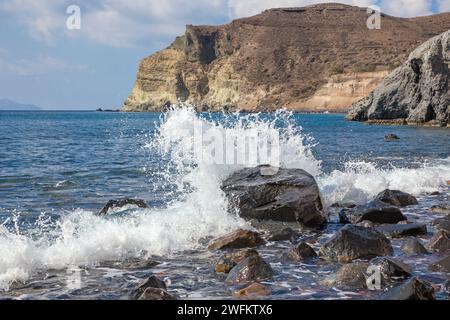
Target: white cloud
{"type": "Point", "coordinates": [407, 8]}
{"type": "Point", "coordinates": [444, 5]}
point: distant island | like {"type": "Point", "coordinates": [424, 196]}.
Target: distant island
{"type": "Point", "coordinates": [9, 105]}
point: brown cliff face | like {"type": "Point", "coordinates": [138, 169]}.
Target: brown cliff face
{"type": "Point", "coordinates": [316, 58]}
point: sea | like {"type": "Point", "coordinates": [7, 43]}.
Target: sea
{"type": "Point", "coordinates": [58, 169]}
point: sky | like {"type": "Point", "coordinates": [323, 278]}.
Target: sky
{"type": "Point", "coordinates": [43, 62]}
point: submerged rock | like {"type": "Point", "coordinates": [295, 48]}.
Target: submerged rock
{"type": "Point", "coordinates": [413, 246]}
{"type": "Point", "coordinates": [229, 260]}
{"type": "Point", "coordinates": [403, 230]}
{"type": "Point", "coordinates": [351, 276]}
{"type": "Point", "coordinates": [391, 137]}
{"type": "Point", "coordinates": [353, 242]}
{"type": "Point", "coordinates": [442, 224]}
{"type": "Point", "coordinates": [440, 209]}
{"type": "Point", "coordinates": [117, 204]}
{"type": "Point", "coordinates": [253, 291]}
{"type": "Point", "coordinates": [288, 195]}
{"type": "Point", "coordinates": [391, 268]}
{"type": "Point", "coordinates": [151, 282]}
{"type": "Point", "coordinates": [440, 241]}
{"type": "Point", "coordinates": [237, 240]}
{"type": "Point", "coordinates": [300, 252]}
{"type": "Point", "coordinates": [375, 211]}
{"type": "Point", "coordinates": [441, 265]}
{"type": "Point", "coordinates": [397, 198]}
{"type": "Point", "coordinates": [251, 269]}
{"type": "Point", "coordinates": [413, 289]}
{"type": "Point", "coordinates": [286, 234]}
{"type": "Point", "coordinates": [156, 294]}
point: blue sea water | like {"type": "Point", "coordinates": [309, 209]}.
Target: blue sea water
{"type": "Point", "coordinates": [57, 168]}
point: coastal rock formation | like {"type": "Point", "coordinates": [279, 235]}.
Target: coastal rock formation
{"type": "Point", "coordinates": [375, 211]}
{"type": "Point", "coordinates": [415, 93]}
{"type": "Point", "coordinates": [315, 58]}
{"type": "Point", "coordinates": [289, 195]}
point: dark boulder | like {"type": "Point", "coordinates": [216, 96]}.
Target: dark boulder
{"type": "Point", "coordinates": [353, 242]}
{"type": "Point", "coordinates": [286, 234]}
{"type": "Point", "coordinates": [352, 276]}
{"type": "Point", "coordinates": [413, 289]}
{"type": "Point", "coordinates": [413, 246]}
{"type": "Point", "coordinates": [391, 268]}
{"type": "Point", "coordinates": [237, 240]}
{"type": "Point", "coordinates": [440, 242]}
{"type": "Point", "coordinates": [441, 265]}
{"type": "Point", "coordinates": [117, 204]}
{"type": "Point", "coordinates": [251, 269]}
{"type": "Point", "coordinates": [151, 282]}
{"type": "Point", "coordinates": [229, 260]}
{"type": "Point", "coordinates": [391, 137]}
{"type": "Point", "coordinates": [403, 230]}
{"type": "Point", "coordinates": [375, 211]}
{"type": "Point", "coordinates": [442, 224]}
{"type": "Point", "coordinates": [266, 193]}
{"type": "Point", "coordinates": [156, 294]}
{"type": "Point", "coordinates": [300, 252]}
{"type": "Point", "coordinates": [397, 198]}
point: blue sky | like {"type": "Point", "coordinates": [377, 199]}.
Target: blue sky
{"type": "Point", "coordinates": [44, 63]}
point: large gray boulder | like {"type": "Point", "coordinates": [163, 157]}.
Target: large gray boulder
{"type": "Point", "coordinates": [415, 93]}
{"type": "Point", "coordinates": [266, 193]}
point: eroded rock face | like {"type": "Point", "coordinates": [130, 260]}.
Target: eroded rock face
{"type": "Point", "coordinates": [251, 269]}
{"type": "Point", "coordinates": [236, 240]}
{"type": "Point", "coordinates": [397, 198]}
{"type": "Point", "coordinates": [413, 289]}
{"type": "Point", "coordinates": [375, 211]}
{"type": "Point", "coordinates": [354, 242]}
{"type": "Point", "coordinates": [290, 195]}
{"type": "Point", "coordinates": [417, 92]}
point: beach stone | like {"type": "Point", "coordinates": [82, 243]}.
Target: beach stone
{"type": "Point", "coordinates": [413, 289]}
{"type": "Point", "coordinates": [397, 198]}
{"type": "Point", "coordinates": [440, 241]}
{"type": "Point", "coordinates": [251, 269]}
{"type": "Point", "coordinates": [229, 260]}
{"type": "Point", "coordinates": [442, 224]}
{"type": "Point", "coordinates": [374, 211]}
{"type": "Point", "coordinates": [413, 246]}
{"type": "Point", "coordinates": [440, 209]}
{"type": "Point", "coordinates": [286, 234]}
{"type": "Point", "coordinates": [300, 252]}
{"type": "Point", "coordinates": [117, 204]}
{"type": "Point", "coordinates": [352, 276]}
{"type": "Point", "coordinates": [403, 230]}
{"type": "Point", "coordinates": [391, 268]}
{"type": "Point", "coordinates": [237, 240]}
{"type": "Point", "coordinates": [156, 294]}
{"type": "Point", "coordinates": [441, 265]}
{"type": "Point", "coordinates": [287, 195]}
{"type": "Point", "coordinates": [253, 291]}
{"type": "Point", "coordinates": [151, 282]}
{"type": "Point", "coordinates": [353, 242]}
{"type": "Point", "coordinates": [391, 137]}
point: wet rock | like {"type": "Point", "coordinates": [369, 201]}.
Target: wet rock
{"type": "Point", "coordinates": [345, 204]}
{"type": "Point", "coordinates": [413, 289]}
{"type": "Point", "coordinates": [442, 224]}
{"type": "Point", "coordinates": [391, 137]}
{"type": "Point", "coordinates": [253, 291]}
{"type": "Point", "coordinates": [441, 265]}
{"type": "Point", "coordinates": [440, 209]}
{"type": "Point", "coordinates": [375, 211]}
{"type": "Point", "coordinates": [446, 287]}
{"type": "Point", "coordinates": [156, 294]}
{"type": "Point", "coordinates": [353, 242]}
{"type": "Point", "coordinates": [366, 224]}
{"type": "Point", "coordinates": [267, 193]}
{"type": "Point", "coordinates": [413, 246]}
{"type": "Point", "coordinates": [403, 230]}
{"type": "Point", "coordinates": [236, 240]}
{"type": "Point", "coordinates": [151, 282]}
{"type": "Point", "coordinates": [391, 268]}
{"type": "Point", "coordinates": [397, 198]}
{"type": "Point", "coordinates": [251, 269]}
{"type": "Point", "coordinates": [351, 276]}
{"type": "Point", "coordinates": [439, 242]}
{"type": "Point", "coordinates": [286, 234]}
{"type": "Point", "coordinates": [117, 204]}
{"type": "Point", "coordinates": [229, 260]}
{"type": "Point", "coordinates": [300, 252]}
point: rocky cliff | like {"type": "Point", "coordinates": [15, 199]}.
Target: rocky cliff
{"type": "Point", "coordinates": [321, 57]}
{"type": "Point", "coordinates": [415, 93]}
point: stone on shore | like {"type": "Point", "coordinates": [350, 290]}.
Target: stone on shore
{"type": "Point", "coordinates": [238, 239]}
{"type": "Point", "coordinates": [403, 230]}
{"type": "Point", "coordinates": [151, 282]}
{"type": "Point", "coordinates": [441, 265]}
{"type": "Point", "coordinates": [300, 252]}
{"type": "Point", "coordinates": [254, 290]}
{"type": "Point", "coordinates": [352, 276]}
{"type": "Point", "coordinates": [440, 209]}
{"type": "Point", "coordinates": [156, 294]}
{"type": "Point", "coordinates": [286, 234]}
{"type": "Point", "coordinates": [397, 198]}
{"type": "Point", "coordinates": [413, 246]}
{"type": "Point", "coordinates": [118, 204]}
{"type": "Point", "coordinates": [413, 289]}
{"type": "Point", "coordinates": [229, 260]}
{"type": "Point", "coordinates": [440, 242]}
{"type": "Point", "coordinates": [251, 269]}
{"type": "Point", "coordinates": [375, 211]}
{"type": "Point", "coordinates": [442, 224]}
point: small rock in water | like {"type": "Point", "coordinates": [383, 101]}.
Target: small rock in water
{"type": "Point", "coordinates": [253, 291]}
{"type": "Point", "coordinates": [442, 265]}
{"type": "Point", "coordinates": [391, 268]}
{"type": "Point", "coordinates": [397, 198]}
{"type": "Point", "coordinates": [156, 294]}
{"type": "Point", "coordinates": [403, 230]}
{"type": "Point", "coordinates": [442, 224]}
{"type": "Point", "coordinates": [237, 240]}
{"type": "Point", "coordinates": [351, 276]}
{"type": "Point", "coordinates": [375, 211]}
{"type": "Point", "coordinates": [300, 252]}
{"type": "Point", "coordinates": [353, 242]}
{"type": "Point", "coordinates": [414, 246]}
{"type": "Point", "coordinates": [286, 234]}
{"type": "Point", "coordinates": [117, 204]}
{"type": "Point", "coordinates": [230, 260]}
{"type": "Point", "coordinates": [251, 269]}
{"type": "Point", "coordinates": [151, 282]}
{"type": "Point", "coordinates": [413, 289]}
{"type": "Point", "coordinates": [440, 209]}
{"type": "Point", "coordinates": [391, 137]}
{"type": "Point", "coordinates": [366, 224]}
{"type": "Point", "coordinates": [440, 241]}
